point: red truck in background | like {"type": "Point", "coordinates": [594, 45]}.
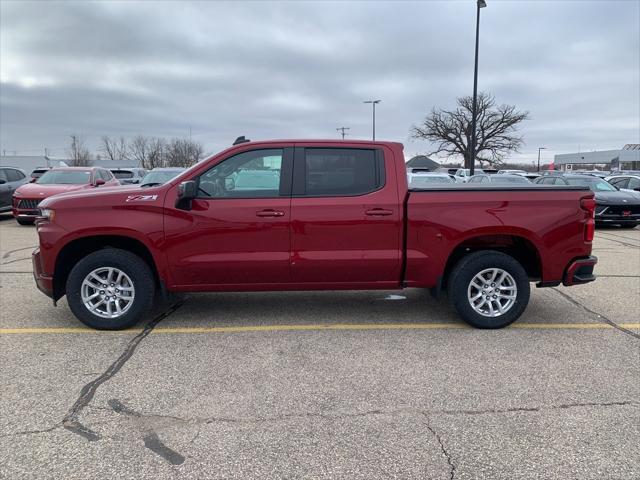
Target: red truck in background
{"type": "Point", "coordinates": [311, 215]}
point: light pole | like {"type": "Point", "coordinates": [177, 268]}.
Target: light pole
{"type": "Point", "coordinates": [373, 102]}
{"type": "Point", "coordinates": [472, 160]}
{"type": "Point", "coordinates": [539, 148]}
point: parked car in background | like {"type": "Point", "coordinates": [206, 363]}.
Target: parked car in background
{"type": "Point", "coordinates": [504, 179]}
{"type": "Point", "coordinates": [10, 179]}
{"type": "Point", "coordinates": [511, 172]}
{"type": "Point", "coordinates": [463, 174]}
{"type": "Point", "coordinates": [27, 198]}
{"type": "Point", "coordinates": [429, 179]}
{"type": "Point", "coordinates": [39, 171]}
{"type": "Point", "coordinates": [593, 173]}
{"type": "Point", "coordinates": [128, 176]}
{"type": "Point", "coordinates": [625, 182]}
{"type": "Point", "coordinates": [613, 206]}
{"type": "Point", "coordinates": [160, 176]}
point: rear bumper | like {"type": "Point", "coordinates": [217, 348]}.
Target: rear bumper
{"type": "Point", "coordinates": [44, 282]}
{"type": "Point", "coordinates": [580, 271]}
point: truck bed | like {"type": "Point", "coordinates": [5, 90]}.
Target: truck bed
{"type": "Point", "coordinates": [540, 222]}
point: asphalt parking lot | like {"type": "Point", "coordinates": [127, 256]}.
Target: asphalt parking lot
{"type": "Point", "coordinates": [324, 385]}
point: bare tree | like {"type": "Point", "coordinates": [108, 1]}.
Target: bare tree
{"type": "Point", "coordinates": [114, 149]}
{"type": "Point", "coordinates": [496, 130]}
{"type": "Point", "coordinates": [148, 152]}
{"type": "Point", "coordinates": [156, 153]}
{"type": "Point", "coordinates": [138, 150]}
{"type": "Point", "coordinates": [183, 153]}
{"type": "Point", "coordinates": [79, 153]}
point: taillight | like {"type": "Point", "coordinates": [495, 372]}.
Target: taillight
{"type": "Point", "coordinates": [589, 205]}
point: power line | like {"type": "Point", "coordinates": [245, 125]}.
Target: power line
{"type": "Point", "coordinates": [342, 131]}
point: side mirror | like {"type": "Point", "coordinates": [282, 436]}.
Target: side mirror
{"type": "Point", "coordinates": [33, 180]}
{"type": "Point", "coordinates": [98, 182]}
{"type": "Point", "coordinates": [187, 191]}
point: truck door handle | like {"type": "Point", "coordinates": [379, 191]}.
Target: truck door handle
{"type": "Point", "coordinates": [270, 213]}
{"type": "Point", "coordinates": [378, 212]}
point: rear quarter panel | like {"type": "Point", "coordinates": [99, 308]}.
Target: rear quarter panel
{"type": "Point", "coordinates": [440, 221]}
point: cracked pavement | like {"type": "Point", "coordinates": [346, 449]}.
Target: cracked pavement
{"type": "Point", "coordinates": [431, 404]}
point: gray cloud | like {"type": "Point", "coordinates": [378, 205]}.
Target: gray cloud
{"type": "Point", "coordinates": [301, 69]}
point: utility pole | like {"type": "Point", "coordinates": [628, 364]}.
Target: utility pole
{"type": "Point", "coordinates": [342, 131]}
{"type": "Point", "coordinates": [373, 103]}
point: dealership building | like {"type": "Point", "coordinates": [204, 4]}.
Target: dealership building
{"type": "Point", "coordinates": [627, 158]}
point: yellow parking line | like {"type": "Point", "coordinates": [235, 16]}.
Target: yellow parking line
{"type": "Point", "coordinates": [317, 327]}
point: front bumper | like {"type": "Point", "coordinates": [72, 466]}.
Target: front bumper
{"type": "Point", "coordinates": [625, 214]}
{"type": "Point", "coordinates": [580, 271]}
{"type": "Point", "coordinates": [44, 282]}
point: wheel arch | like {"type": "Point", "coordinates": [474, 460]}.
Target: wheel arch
{"type": "Point", "coordinates": [517, 246]}
{"type": "Point", "coordinates": [78, 248]}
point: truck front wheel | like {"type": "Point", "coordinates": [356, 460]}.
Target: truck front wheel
{"type": "Point", "coordinates": [110, 289]}
{"type": "Point", "coordinates": [489, 289]}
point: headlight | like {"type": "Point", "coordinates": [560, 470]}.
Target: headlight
{"type": "Point", "coordinates": [47, 214]}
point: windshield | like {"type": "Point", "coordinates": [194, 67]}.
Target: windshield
{"type": "Point", "coordinates": [120, 174]}
{"type": "Point", "coordinates": [594, 184]}
{"type": "Point", "coordinates": [159, 177]}
{"type": "Point", "coordinates": [65, 177]}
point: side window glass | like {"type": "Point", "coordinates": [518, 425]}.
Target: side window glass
{"type": "Point", "coordinates": [3, 175]}
{"type": "Point", "coordinates": [253, 174]}
{"type": "Point", "coordinates": [342, 171]}
{"type": "Point", "coordinates": [619, 182]}
{"type": "Point", "coordinates": [13, 175]}
{"type": "Point", "coordinates": [634, 183]}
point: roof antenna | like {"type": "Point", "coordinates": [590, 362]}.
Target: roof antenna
{"type": "Point", "coordinates": [240, 140]}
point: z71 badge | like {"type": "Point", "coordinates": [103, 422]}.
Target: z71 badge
{"type": "Point", "coordinates": [141, 198]}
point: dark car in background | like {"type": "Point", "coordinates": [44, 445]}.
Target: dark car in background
{"type": "Point", "coordinates": [160, 176]}
{"type": "Point", "coordinates": [129, 176]}
{"type": "Point", "coordinates": [613, 206]}
{"type": "Point", "coordinates": [10, 179]}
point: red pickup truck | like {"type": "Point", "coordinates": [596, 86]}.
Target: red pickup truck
{"type": "Point", "coordinates": [311, 215]}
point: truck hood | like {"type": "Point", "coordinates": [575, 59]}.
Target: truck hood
{"type": "Point", "coordinates": [618, 198]}
{"type": "Point", "coordinates": [34, 190]}
{"type": "Point", "coordinates": [102, 196]}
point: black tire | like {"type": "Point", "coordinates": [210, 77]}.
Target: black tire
{"type": "Point", "coordinates": [129, 263]}
{"type": "Point", "coordinates": [464, 272]}
{"type": "Point", "coordinates": [22, 221]}
{"type": "Point", "coordinates": [629, 225]}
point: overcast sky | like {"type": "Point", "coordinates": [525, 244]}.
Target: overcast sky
{"type": "Point", "coordinates": [300, 69]}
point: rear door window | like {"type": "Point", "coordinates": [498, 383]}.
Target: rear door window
{"type": "Point", "coordinates": [3, 176]}
{"type": "Point", "coordinates": [341, 171]}
{"type": "Point", "coordinates": [634, 183]}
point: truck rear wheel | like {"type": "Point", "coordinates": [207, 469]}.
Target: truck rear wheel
{"type": "Point", "coordinates": [489, 289]}
{"type": "Point", "coordinates": [110, 289]}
